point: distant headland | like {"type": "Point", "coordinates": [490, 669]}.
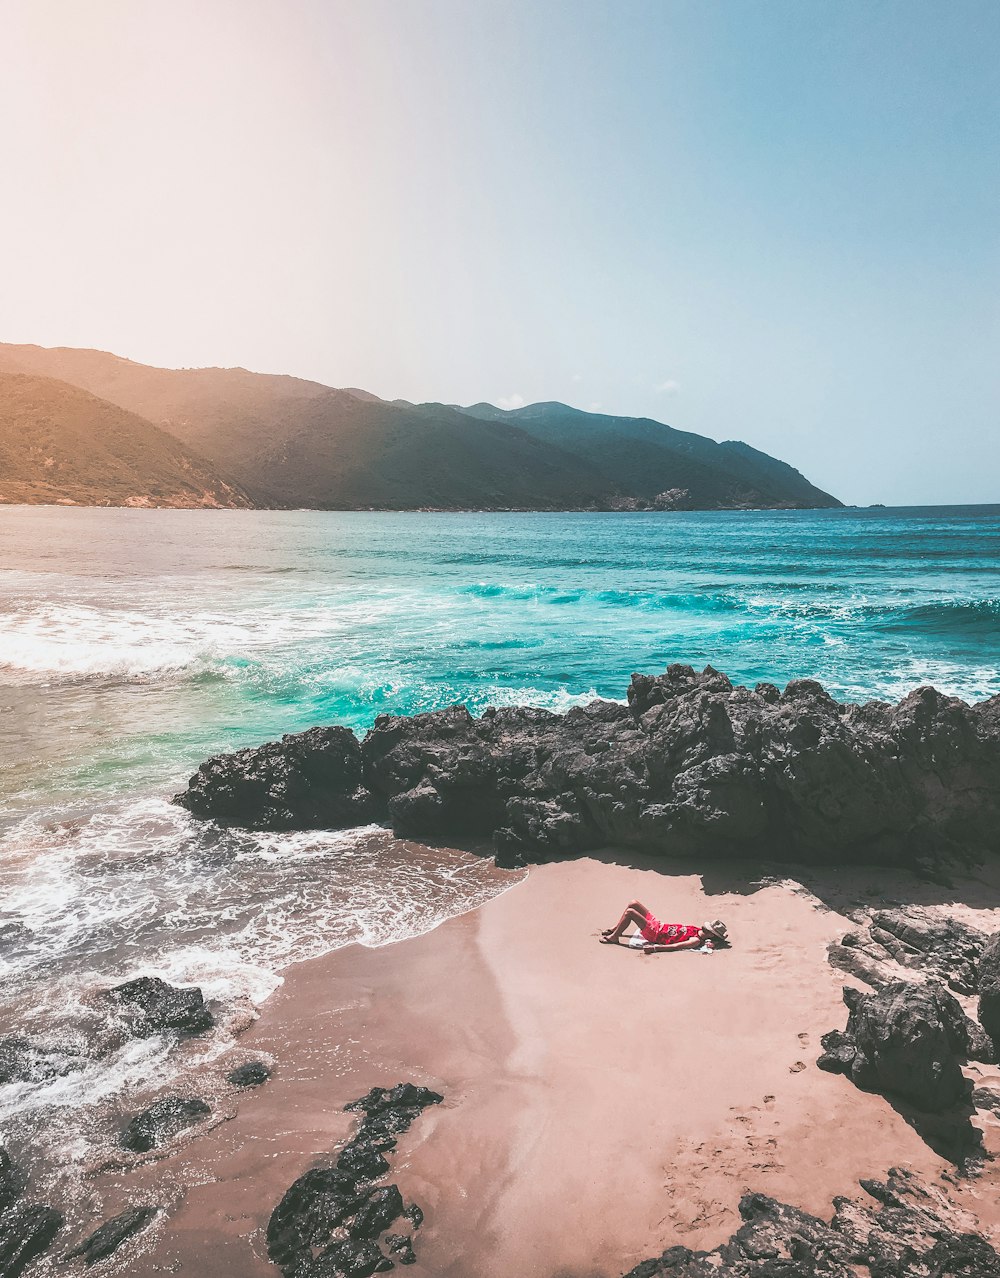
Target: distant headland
{"type": "Point", "coordinates": [88, 428]}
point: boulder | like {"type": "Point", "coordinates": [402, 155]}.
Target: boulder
{"type": "Point", "coordinates": [162, 1121]}
{"type": "Point", "coordinates": [148, 1005]}
{"type": "Point", "coordinates": [989, 989]}
{"type": "Point", "coordinates": [307, 780]}
{"type": "Point", "coordinates": [692, 765]}
{"type": "Point", "coordinates": [252, 1074]}
{"type": "Point", "coordinates": [928, 943]}
{"type": "Point", "coordinates": [107, 1238]}
{"type": "Point", "coordinates": [906, 1040]}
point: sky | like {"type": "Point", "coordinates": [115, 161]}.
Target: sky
{"type": "Point", "coordinates": [768, 220]}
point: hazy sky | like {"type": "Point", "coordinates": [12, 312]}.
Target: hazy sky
{"type": "Point", "coordinates": [772, 221]}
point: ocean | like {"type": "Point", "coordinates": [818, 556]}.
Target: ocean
{"type": "Point", "coordinates": [135, 643]}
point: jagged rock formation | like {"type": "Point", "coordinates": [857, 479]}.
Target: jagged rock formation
{"type": "Point", "coordinates": [692, 765]}
{"type": "Point", "coordinates": [988, 985]}
{"type": "Point", "coordinates": [329, 1222]}
{"type": "Point", "coordinates": [909, 1230]}
{"type": "Point", "coordinates": [252, 1074]}
{"type": "Point", "coordinates": [906, 1040]}
{"type": "Point", "coordinates": [927, 944]}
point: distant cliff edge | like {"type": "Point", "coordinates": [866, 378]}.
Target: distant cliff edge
{"type": "Point", "coordinates": [229, 437]}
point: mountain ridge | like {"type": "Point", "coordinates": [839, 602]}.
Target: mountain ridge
{"type": "Point", "coordinates": [283, 442]}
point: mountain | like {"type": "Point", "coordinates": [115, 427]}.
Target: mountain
{"type": "Point", "coordinates": [60, 444]}
{"type": "Point", "coordinates": [291, 442]}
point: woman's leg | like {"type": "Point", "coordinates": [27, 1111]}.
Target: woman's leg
{"type": "Point", "coordinates": [635, 912]}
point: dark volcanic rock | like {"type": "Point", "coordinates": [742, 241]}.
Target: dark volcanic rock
{"type": "Point", "coordinates": [148, 1005]}
{"type": "Point", "coordinates": [253, 1074]}
{"type": "Point", "coordinates": [309, 780]}
{"type": "Point", "coordinates": [162, 1121]}
{"type": "Point", "coordinates": [943, 948]}
{"type": "Point", "coordinates": [989, 989]}
{"type": "Point", "coordinates": [329, 1221]}
{"type": "Point", "coordinates": [692, 765]}
{"type": "Point", "coordinates": [26, 1229]}
{"type": "Point", "coordinates": [106, 1240]}
{"type": "Point", "coordinates": [907, 1040]}
{"type": "Point", "coordinates": [908, 1231]}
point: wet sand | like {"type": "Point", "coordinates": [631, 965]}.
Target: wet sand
{"type": "Point", "coordinates": [599, 1105]}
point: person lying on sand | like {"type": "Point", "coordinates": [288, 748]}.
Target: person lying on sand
{"type": "Point", "coordinates": [655, 937]}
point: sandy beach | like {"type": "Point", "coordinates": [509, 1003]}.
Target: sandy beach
{"type": "Point", "coordinates": [599, 1106]}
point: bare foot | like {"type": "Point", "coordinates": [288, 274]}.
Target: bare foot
{"type": "Point", "coordinates": [607, 931]}
{"type": "Point", "coordinates": [608, 940]}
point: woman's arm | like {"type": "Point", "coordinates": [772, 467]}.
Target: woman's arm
{"type": "Point", "coordinates": [694, 944]}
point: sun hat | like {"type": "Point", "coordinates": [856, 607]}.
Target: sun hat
{"type": "Point", "coordinates": [718, 928]}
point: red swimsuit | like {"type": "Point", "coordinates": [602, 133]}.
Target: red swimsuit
{"type": "Point", "coordinates": [668, 933]}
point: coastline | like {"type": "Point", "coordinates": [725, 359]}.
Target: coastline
{"type": "Point", "coordinates": [599, 1105]}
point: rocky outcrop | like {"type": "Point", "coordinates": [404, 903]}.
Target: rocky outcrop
{"type": "Point", "coordinates": [907, 1230]}
{"type": "Point", "coordinates": [149, 1005]}
{"type": "Point", "coordinates": [107, 1238]}
{"type": "Point", "coordinates": [692, 765]}
{"type": "Point", "coordinates": [931, 945]}
{"type": "Point", "coordinates": [989, 989]}
{"type": "Point", "coordinates": [329, 1222]}
{"type": "Point", "coordinates": [162, 1121]}
{"type": "Point", "coordinates": [908, 1041]}
{"type": "Point", "coordinates": [27, 1229]}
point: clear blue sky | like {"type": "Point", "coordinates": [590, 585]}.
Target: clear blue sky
{"type": "Point", "coordinates": [763, 220]}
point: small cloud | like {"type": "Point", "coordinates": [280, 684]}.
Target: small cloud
{"type": "Point", "coordinates": [669, 387]}
{"type": "Point", "coordinates": [507, 402]}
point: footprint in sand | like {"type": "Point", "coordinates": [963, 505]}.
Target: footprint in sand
{"type": "Point", "coordinates": [769, 1102]}
{"type": "Point", "coordinates": [803, 1039]}
{"type": "Point", "coordinates": [797, 1068]}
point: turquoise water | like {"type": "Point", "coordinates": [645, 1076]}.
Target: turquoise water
{"type": "Point", "coordinates": [135, 643]}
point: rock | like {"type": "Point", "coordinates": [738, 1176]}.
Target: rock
{"type": "Point", "coordinates": [913, 1232]}
{"type": "Point", "coordinates": [162, 1121]}
{"type": "Point", "coordinates": [349, 1259]}
{"type": "Point", "coordinates": [308, 780]}
{"type": "Point", "coordinates": [907, 1040]}
{"type": "Point", "coordinates": [22, 1060]}
{"type": "Point", "coordinates": [306, 1232]}
{"type": "Point", "coordinates": [148, 1005]}
{"type": "Point", "coordinates": [692, 765]}
{"type": "Point", "coordinates": [313, 1207]}
{"type": "Point", "coordinates": [986, 1098]}
{"type": "Point", "coordinates": [106, 1240]}
{"type": "Point", "coordinates": [989, 989]}
{"type": "Point", "coordinates": [26, 1231]}
{"type": "Point", "coordinates": [253, 1074]}
{"type": "Point", "coordinates": [931, 945]}
{"type": "Point", "coordinates": [377, 1212]}
{"type": "Point", "coordinates": [401, 1246]}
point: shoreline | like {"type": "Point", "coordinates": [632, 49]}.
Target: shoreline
{"type": "Point", "coordinates": [598, 1105]}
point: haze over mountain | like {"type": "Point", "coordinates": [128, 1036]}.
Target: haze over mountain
{"type": "Point", "coordinates": [287, 442]}
{"type": "Point", "coordinates": [59, 443]}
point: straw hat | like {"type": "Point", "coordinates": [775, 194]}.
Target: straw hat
{"type": "Point", "coordinates": [718, 928]}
